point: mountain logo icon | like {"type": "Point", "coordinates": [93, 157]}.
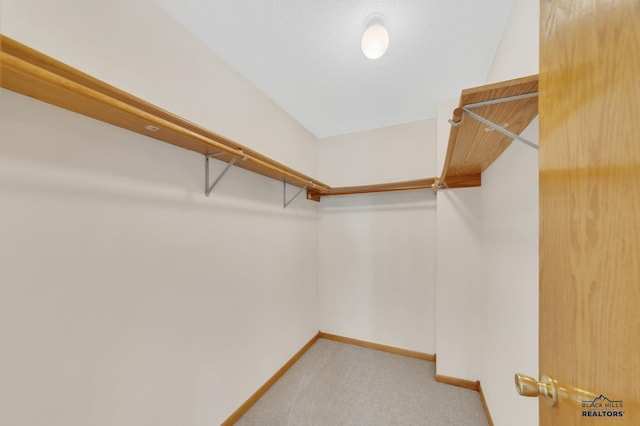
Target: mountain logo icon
{"type": "Point", "coordinates": [601, 401]}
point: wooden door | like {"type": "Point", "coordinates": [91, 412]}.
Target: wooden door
{"type": "Point", "coordinates": [590, 206]}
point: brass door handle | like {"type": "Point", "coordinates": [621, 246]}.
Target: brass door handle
{"type": "Point", "coordinates": [528, 386]}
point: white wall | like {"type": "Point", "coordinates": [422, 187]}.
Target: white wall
{"type": "Point", "coordinates": [490, 330]}
{"type": "Point", "coordinates": [388, 154]}
{"type": "Point", "coordinates": [126, 296]}
{"type": "Point", "coordinates": [459, 282]}
{"type": "Point", "coordinates": [510, 222]}
{"type": "Point", "coordinates": [459, 268]}
{"type": "Point", "coordinates": [510, 281]}
{"type": "Point", "coordinates": [518, 52]}
{"type": "Point", "coordinates": [377, 252]}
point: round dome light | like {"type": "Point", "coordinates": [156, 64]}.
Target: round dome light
{"type": "Point", "coordinates": [375, 39]}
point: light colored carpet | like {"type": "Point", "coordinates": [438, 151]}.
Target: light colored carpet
{"type": "Point", "coordinates": [340, 384]}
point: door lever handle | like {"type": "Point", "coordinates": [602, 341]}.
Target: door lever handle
{"type": "Point", "coordinates": [528, 386]}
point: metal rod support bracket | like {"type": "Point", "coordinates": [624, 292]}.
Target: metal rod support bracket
{"type": "Point", "coordinates": [455, 123]}
{"type": "Point", "coordinates": [491, 124]}
{"type": "Point", "coordinates": [209, 187]}
{"type": "Point", "coordinates": [501, 100]}
{"type": "Point", "coordinates": [285, 203]}
{"type": "Point", "coordinates": [500, 129]}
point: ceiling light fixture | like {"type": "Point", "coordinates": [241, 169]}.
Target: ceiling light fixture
{"type": "Point", "coordinates": [375, 39]}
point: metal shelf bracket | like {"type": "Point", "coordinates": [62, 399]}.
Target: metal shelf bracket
{"type": "Point", "coordinates": [491, 124]}
{"type": "Point", "coordinates": [285, 203]}
{"type": "Point", "coordinates": [455, 123]}
{"type": "Point", "coordinates": [209, 187]}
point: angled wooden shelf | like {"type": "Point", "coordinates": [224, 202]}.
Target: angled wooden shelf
{"type": "Point", "coordinates": [31, 73]}
{"type": "Point", "coordinates": [473, 146]}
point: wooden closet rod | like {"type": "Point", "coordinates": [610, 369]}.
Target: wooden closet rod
{"type": "Point", "coordinates": [44, 74]}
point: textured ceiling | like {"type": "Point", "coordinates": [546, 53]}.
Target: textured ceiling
{"type": "Point", "coordinates": [305, 54]}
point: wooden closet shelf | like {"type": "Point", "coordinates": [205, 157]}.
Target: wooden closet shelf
{"type": "Point", "coordinates": [31, 73]}
{"type": "Point", "coordinates": [473, 146]}
{"type": "Point", "coordinates": [367, 189]}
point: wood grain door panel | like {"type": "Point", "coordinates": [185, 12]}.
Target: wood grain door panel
{"type": "Point", "coordinates": [590, 204]}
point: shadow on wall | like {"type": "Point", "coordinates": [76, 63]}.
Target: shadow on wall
{"type": "Point", "coordinates": [53, 152]}
{"type": "Point", "coordinates": [392, 201]}
{"type": "Point", "coordinates": [466, 208]}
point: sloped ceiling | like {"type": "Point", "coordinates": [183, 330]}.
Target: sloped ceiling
{"type": "Point", "coordinates": [305, 54]}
